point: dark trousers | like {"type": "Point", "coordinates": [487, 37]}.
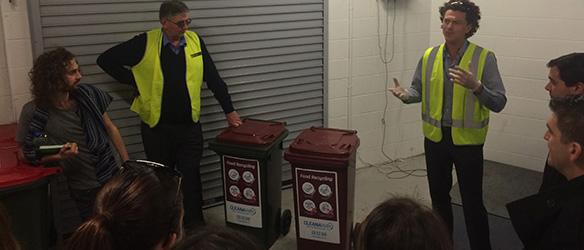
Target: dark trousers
{"type": "Point", "coordinates": [85, 201]}
{"type": "Point", "coordinates": [469, 171]}
{"type": "Point", "coordinates": [180, 146]}
{"type": "Point", "coordinates": [551, 178]}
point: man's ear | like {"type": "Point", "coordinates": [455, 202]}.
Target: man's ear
{"type": "Point", "coordinates": [575, 151]}
{"type": "Point", "coordinates": [170, 241]}
{"type": "Point", "coordinates": [579, 88]}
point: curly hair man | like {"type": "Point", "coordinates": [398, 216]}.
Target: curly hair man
{"type": "Point", "coordinates": [459, 84]}
{"type": "Point", "coordinates": [73, 115]}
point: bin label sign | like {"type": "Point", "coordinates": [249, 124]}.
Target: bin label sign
{"type": "Point", "coordinates": [317, 199]}
{"type": "Point", "coordinates": [242, 192]}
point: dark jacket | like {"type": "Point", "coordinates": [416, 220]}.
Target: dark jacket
{"type": "Point", "coordinates": [552, 219]}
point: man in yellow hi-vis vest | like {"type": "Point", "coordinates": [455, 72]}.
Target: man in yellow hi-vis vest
{"type": "Point", "coordinates": [167, 66]}
{"type": "Point", "coordinates": [458, 84]}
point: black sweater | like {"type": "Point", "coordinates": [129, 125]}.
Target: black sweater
{"type": "Point", "coordinates": [552, 219]}
{"type": "Point", "coordinates": [176, 104]}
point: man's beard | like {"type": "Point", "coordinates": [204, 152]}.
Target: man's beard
{"type": "Point", "coordinates": [70, 88]}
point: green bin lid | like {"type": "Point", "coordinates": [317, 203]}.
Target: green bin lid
{"type": "Point", "coordinates": [252, 132]}
{"type": "Point", "coordinates": [325, 142]}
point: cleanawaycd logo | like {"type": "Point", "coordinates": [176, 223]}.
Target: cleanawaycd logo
{"type": "Point", "coordinates": [317, 225]}
{"type": "Point", "coordinates": [241, 210]}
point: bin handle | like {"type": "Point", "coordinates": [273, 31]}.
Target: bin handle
{"type": "Point", "coordinates": [300, 141]}
{"type": "Point", "coordinates": [345, 146]}
{"type": "Point", "coordinates": [244, 133]}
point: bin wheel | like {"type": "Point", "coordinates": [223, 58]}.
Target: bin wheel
{"type": "Point", "coordinates": [285, 222]}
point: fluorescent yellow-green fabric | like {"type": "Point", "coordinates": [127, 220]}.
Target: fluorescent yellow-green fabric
{"type": "Point", "coordinates": [432, 105]}
{"type": "Point", "coordinates": [150, 81]}
{"type": "Point", "coordinates": [469, 118]}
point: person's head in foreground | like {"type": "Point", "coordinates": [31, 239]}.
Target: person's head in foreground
{"type": "Point", "coordinates": [217, 238]}
{"type": "Point", "coordinates": [402, 224]}
{"type": "Point", "coordinates": [139, 208]}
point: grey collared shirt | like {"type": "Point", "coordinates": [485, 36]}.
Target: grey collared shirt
{"type": "Point", "coordinates": [182, 42]}
{"type": "Point", "coordinates": [493, 94]}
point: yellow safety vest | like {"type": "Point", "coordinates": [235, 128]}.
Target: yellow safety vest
{"type": "Point", "coordinates": [150, 80]}
{"type": "Point", "coordinates": [470, 119]}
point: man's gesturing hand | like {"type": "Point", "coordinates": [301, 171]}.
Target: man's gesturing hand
{"type": "Point", "coordinates": [398, 91]}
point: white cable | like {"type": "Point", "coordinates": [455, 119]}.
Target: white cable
{"type": "Point", "coordinates": [386, 62]}
{"type": "Point", "coordinates": [350, 68]}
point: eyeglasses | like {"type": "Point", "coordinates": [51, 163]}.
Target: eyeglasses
{"type": "Point", "coordinates": [137, 165]}
{"type": "Point", "coordinates": [183, 23]}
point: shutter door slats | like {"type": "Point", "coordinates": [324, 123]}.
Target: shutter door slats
{"type": "Point", "coordinates": [60, 31]}
{"type": "Point", "coordinates": [259, 44]}
{"type": "Point", "coordinates": [114, 38]}
{"type": "Point", "coordinates": [191, 4]}
{"type": "Point", "coordinates": [204, 21]}
{"type": "Point", "coordinates": [270, 53]}
{"type": "Point", "coordinates": [206, 9]}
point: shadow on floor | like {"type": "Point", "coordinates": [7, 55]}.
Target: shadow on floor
{"type": "Point", "coordinates": [502, 184]}
{"type": "Point", "coordinates": [503, 236]}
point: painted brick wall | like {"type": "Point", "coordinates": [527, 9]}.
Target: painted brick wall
{"type": "Point", "coordinates": [15, 59]}
{"type": "Point", "coordinates": [6, 112]}
{"type": "Point", "coordinates": [357, 78]}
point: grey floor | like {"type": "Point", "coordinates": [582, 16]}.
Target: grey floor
{"type": "Point", "coordinates": [373, 185]}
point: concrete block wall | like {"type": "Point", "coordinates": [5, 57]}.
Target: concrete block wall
{"type": "Point", "coordinates": [525, 35]}
{"type": "Point", "coordinates": [6, 112]}
{"type": "Point", "coordinates": [357, 76]}
{"type": "Point", "coordinates": [15, 59]}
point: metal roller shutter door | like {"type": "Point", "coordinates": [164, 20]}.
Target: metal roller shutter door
{"type": "Point", "coordinates": [270, 53]}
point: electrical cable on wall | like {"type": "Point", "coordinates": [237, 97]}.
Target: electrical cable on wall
{"type": "Point", "coordinates": [400, 173]}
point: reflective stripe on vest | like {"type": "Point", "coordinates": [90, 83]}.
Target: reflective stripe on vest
{"type": "Point", "coordinates": [470, 119]}
{"type": "Point", "coordinates": [150, 80]}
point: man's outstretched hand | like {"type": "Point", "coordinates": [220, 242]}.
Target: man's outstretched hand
{"type": "Point", "coordinates": [398, 91]}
